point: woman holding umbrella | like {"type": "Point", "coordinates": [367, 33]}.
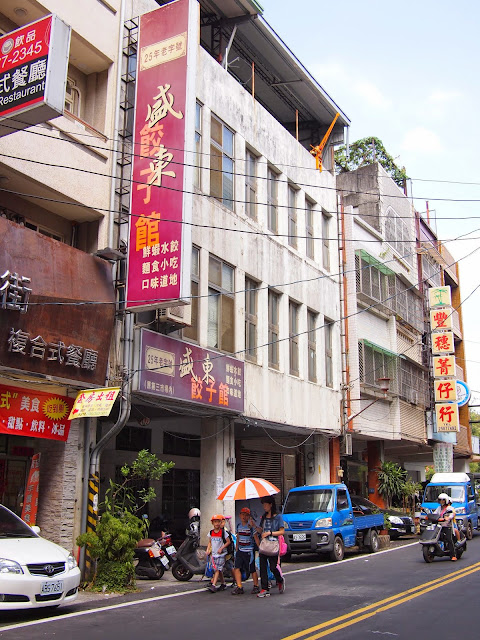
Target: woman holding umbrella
{"type": "Point", "coordinates": [271, 526]}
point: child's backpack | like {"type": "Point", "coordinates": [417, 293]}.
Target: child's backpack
{"type": "Point", "coordinates": [231, 545]}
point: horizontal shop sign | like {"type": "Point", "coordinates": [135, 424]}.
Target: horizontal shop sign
{"type": "Point", "coordinates": [183, 371]}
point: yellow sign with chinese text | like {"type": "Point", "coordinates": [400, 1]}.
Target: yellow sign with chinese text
{"type": "Point", "coordinates": [445, 390]}
{"type": "Point", "coordinates": [447, 417]}
{"type": "Point", "coordinates": [439, 297]}
{"type": "Point", "coordinates": [443, 342]}
{"type": "Point", "coordinates": [92, 403]}
{"type": "Point", "coordinates": [441, 319]}
{"type": "Point", "coordinates": [444, 366]}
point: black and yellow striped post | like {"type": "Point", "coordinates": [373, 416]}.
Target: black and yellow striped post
{"type": "Point", "coordinates": [92, 516]}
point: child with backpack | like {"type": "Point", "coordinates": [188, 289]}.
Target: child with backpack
{"type": "Point", "coordinates": [220, 543]}
{"type": "Point", "coordinates": [245, 552]}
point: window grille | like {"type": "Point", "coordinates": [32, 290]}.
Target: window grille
{"type": "Point", "coordinates": [376, 362]}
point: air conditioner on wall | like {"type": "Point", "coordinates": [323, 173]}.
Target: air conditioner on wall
{"type": "Point", "coordinates": [181, 314]}
{"type": "Point", "coordinates": [346, 447]}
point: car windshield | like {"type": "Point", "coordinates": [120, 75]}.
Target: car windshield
{"type": "Point", "coordinates": [456, 492]}
{"type": "Point", "coordinates": [11, 526]}
{"type": "Point", "coordinates": [365, 504]}
{"type": "Point", "coordinates": [309, 501]}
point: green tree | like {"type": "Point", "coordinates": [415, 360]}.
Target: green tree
{"type": "Point", "coordinates": [119, 529]}
{"type": "Point", "coordinates": [367, 151]}
{"type": "Point", "coordinates": [391, 480]}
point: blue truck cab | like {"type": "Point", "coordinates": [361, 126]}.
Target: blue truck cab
{"type": "Point", "coordinates": [461, 488]}
{"type": "Point", "coordinates": [321, 519]}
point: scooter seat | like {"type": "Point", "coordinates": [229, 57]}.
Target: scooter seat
{"type": "Point", "coordinates": [146, 542]}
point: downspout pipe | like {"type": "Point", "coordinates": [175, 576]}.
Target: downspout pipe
{"type": "Point", "coordinates": [125, 400]}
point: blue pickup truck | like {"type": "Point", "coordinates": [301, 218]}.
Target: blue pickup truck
{"type": "Point", "coordinates": [321, 519]}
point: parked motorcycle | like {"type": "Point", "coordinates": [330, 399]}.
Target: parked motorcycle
{"type": "Point", "coordinates": [433, 540]}
{"type": "Point", "coordinates": [165, 541]}
{"type": "Point", "coordinates": [190, 559]}
{"type": "Point", "coordinates": [151, 560]}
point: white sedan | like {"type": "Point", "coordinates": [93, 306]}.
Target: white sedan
{"type": "Point", "coordinates": [33, 571]}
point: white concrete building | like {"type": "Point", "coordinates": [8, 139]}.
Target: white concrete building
{"type": "Point", "coordinates": [265, 285]}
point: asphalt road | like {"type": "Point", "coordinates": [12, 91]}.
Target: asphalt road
{"type": "Point", "coordinates": [393, 593]}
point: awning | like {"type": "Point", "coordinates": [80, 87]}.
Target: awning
{"type": "Point", "coordinates": [374, 262]}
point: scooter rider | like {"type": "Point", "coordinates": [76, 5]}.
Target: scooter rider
{"type": "Point", "coordinates": [447, 516]}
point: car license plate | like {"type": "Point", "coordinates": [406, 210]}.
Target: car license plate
{"type": "Point", "coordinates": [171, 550]}
{"type": "Point", "coordinates": [299, 537]}
{"type": "Point", "coordinates": [52, 587]}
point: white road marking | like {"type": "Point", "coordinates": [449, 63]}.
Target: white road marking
{"type": "Point", "coordinates": [76, 614]}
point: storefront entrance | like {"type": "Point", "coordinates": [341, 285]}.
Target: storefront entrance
{"type": "Point", "coordinates": [15, 456]}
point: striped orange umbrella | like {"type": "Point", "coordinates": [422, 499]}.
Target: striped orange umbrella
{"type": "Point", "coordinates": [248, 488]}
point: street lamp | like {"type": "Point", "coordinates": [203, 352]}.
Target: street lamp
{"type": "Point", "coordinates": [384, 384]}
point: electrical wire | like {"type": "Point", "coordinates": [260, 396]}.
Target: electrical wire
{"type": "Point", "coordinates": [299, 184]}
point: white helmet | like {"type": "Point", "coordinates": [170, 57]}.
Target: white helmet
{"type": "Point", "coordinates": [194, 513]}
{"type": "Point", "coordinates": [444, 496]}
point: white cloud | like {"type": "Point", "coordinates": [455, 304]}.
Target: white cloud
{"type": "Point", "coordinates": [371, 94]}
{"type": "Point", "coordinates": [439, 96]}
{"type": "Point", "coordinates": [421, 140]}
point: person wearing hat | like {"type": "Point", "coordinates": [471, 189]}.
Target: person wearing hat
{"type": "Point", "coordinates": [245, 552]}
{"type": "Point", "coordinates": [218, 542]}
{"type": "Point", "coordinates": [446, 520]}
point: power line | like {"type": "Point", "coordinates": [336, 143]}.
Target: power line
{"type": "Point", "coordinates": [236, 160]}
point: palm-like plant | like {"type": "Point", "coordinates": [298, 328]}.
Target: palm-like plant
{"type": "Point", "coordinates": [391, 480]}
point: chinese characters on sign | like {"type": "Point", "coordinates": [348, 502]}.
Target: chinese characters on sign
{"type": "Point", "coordinates": [443, 345]}
{"type": "Point", "coordinates": [447, 417]}
{"type": "Point", "coordinates": [180, 370]}
{"type": "Point", "coordinates": [28, 56]}
{"type": "Point", "coordinates": [35, 414]}
{"type": "Point", "coordinates": [30, 499]}
{"type": "Point", "coordinates": [14, 293]}
{"type": "Point", "coordinates": [91, 403]}
{"type": "Point", "coordinates": [160, 193]}
{"type": "Point", "coordinates": [71, 356]}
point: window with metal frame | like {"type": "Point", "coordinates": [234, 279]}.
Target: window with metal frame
{"type": "Point", "coordinates": [413, 385]}
{"type": "Point", "coordinates": [376, 362]}
{"type": "Point", "coordinates": [250, 184]}
{"type": "Point", "coordinates": [309, 229]}
{"type": "Point", "coordinates": [292, 217]}
{"type": "Point", "coordinates": [222, 163]}
{"type": "Point", "coordinates": [191, 332]}
{"type": "Point", "coordinates": [328, 333]}
{"type": "Point", "coordinates": [221, 303]}
{"type": "Point", "coordinates": [251, 296]}
{"type": "Point", "coordinates": [312, 319]}
{"type": "Point", "coordinates": [272, 200]}
{"type": "Point", "coordinates": [398, 235]}
{"type": "Point", "coordinates": [293, 309]}
{"type": "Point", "coordinates": [197, 170]}
{"type": "Point", "coordinates": [273, 330]}
{"type": "Point", "coordinates": [325, 241]}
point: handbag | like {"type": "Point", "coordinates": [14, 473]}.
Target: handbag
{"type": "Point", "coordinates": [269, 547]}
{"type": "Point", "coordinates": [282, 545]}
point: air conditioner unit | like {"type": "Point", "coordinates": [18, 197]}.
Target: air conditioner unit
{"type": "Point", "coordinates": [181, 314]}
{"type": "Point", "coordinates": [346, 448]}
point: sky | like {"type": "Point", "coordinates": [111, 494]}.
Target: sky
{"type": "Point", "coordinates": [407, 73]}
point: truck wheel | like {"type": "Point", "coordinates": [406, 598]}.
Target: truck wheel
{"type": "Point", "coordinates": [374, 545]}
{"type": "Point", "coordinates": [338, 551]}
{"type": "Point", "coordinates": [428, 556]}
{"type": "Point", "coordinates": [181, 573]}
{"type": "Point", "coordinates": [469, 532]}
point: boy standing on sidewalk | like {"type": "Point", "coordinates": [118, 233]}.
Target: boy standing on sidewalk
{"type": "Point", "coordinates": [245, 552]}
{"type": "Point", "coordinates": [217, 546]}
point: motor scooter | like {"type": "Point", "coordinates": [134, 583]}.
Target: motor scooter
{"type": "Point", "coordinates": [165, 541]}
{"type": "Point", "coordinates": [433, 540]}
{"type": "Point", "coordinates": [191, 560]}
{"type": "Point", "coordinates": [151, 560]}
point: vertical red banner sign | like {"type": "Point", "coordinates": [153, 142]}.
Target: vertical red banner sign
{"type": "Point", "coordinates": [158, 250]}
{"type": "Point", "coordinates": [30, 499]}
